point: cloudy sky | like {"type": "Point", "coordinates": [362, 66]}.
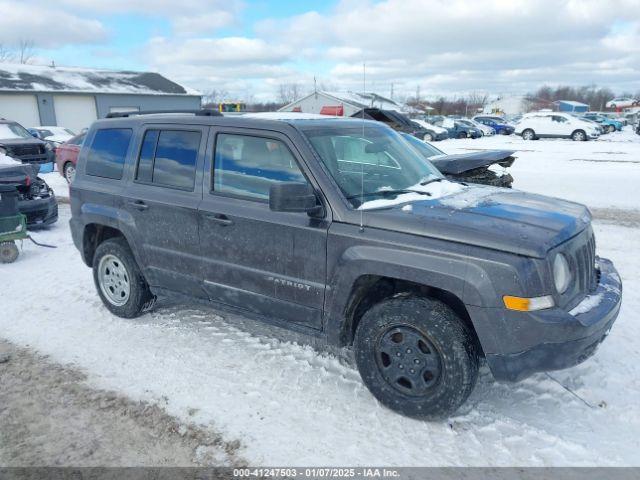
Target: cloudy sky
{"type": "Point", "coordinates": [250, 47]}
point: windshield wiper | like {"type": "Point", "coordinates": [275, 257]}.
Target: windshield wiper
{"type": "Point", "coordinates": [433, 180]}
{"type": "Point", "coordinates": [384, 193]}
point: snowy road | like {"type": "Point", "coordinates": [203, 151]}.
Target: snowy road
{"type": "Point", "coordinates": [287, 404]}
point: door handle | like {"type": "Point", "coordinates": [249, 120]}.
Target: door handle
{"type": "Point", "coordinates": [138, 205]}
{"type": "Point", "coordinates": [219, 218]}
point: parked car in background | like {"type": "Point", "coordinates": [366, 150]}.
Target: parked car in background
{"type": "Point", "coordinates": [468, 167]}
{"type": "Point", "coordinates": [17, 143]}
{"type": "Point", "coordinates": [609, 125]}
{"type": "Point", "coordinates": [555, 125]}
{"type": "Point", "coordinates": [455, 128]}
{"type": "Point", "coordinates": [622, 102]}
{"type": "Point", "coordinates": [615, 116]}
{"type": "Point", "coordinates": [485, 129]}
{"type": "Point", "coordinates": [400, 123]}
{"type": "Point", "coordinates": [499, 124]}
{"type": "Point", "coordinates": [67, 156]}
{"type": "Point", "coordinates": [439, 133]}
{"type": "Point", "coordinates": [52, 134]}
{"type": "Point", "coordinates": [36, 200]}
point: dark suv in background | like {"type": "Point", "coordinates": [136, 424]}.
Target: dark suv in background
{"type": "Point", "coordinates": [338, 228]}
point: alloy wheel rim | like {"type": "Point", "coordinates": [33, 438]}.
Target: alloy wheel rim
{"type": "Point", "coordinates": [70, 173]}
{"type": "Point", "coordinates": [408, 360]}
{"type": "Point", "coordinates": [114, 280]}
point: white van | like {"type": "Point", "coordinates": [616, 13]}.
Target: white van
{"type": "Point", "coordinates": [555, 125]}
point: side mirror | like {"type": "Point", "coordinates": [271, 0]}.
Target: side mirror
{"type": "Point", "coordinates": [35, 134]}
{"type": "Point", "coordinates": [293, 197]}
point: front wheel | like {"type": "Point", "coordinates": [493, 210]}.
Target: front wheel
{"type": "Point", "coordinates": [611, 129]}
{"type": "Point", "coordinates": [428, 137]}
{"type": "Point", "coordinates": [416, 356]}
{"type": "Point", "coordinates": [462, 135]}
{"type": "Point", "coordinates": [118, 279]}
{"type": "Point", "coordinates": [528, 134]}
{"type": "Point", "coordinates": [578, 136]}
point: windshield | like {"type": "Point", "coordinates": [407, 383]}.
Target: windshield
{"type": "Point", "coordinates": [425, 149]}
{"type": "Point", "coordinates": [13, 130]}
{"type": "Point", "coordinates": [370, 161]}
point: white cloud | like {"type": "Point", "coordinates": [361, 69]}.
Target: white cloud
{"type": "Point", "coordinates": [444, 46]}
{"type": "Point", "coordinates": [188, 17]}
{"type": "Point", "coordinates": [46, 26]}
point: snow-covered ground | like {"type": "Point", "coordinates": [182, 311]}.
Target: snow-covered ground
{"type": "Point", "coordinates": [290, 405]}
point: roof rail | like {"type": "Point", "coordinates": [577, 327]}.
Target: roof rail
{"type": "Point", "coordinates": [198, 113]}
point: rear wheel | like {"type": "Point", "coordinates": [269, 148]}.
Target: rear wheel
{"type": "Point", "coordinates": [118, 279]}
{"type": "Point", "coordinates": [462, 135]}
{"type": "Point", "coordinates": [8, 252]}
{"type": "Point", "coordinates": [416, 356]}
{"type": "Point", "coordinates": [579, 136]}
{"type": "Point", "coordinates": [611, 129]}
{"type": "Point", "coordinates": [69, 171]}
{"type": "Point", "coordinates": [428, 137]}
{"type": "Point", "coordinates": [528, 134]}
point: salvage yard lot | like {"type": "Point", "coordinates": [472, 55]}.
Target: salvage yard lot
{"type": "Point", "coordinates": [286, 403]}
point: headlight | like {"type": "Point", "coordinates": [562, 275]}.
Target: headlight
{"type": "Point", "coordinates": [561, 273]}
{"type": "Point", "coordinates": [48, 147]}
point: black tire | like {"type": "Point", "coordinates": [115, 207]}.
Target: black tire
{"type": "Point", "coordinates": [445, 363]}
{"type": "Point", "coordinates": [462, 135]}
{"type": "Point", "coordinates": [67, 169]}
{"type": "Point", "coordinates": [428, 137]}
{"type": "Point", "coordinates": [140, 297]}
{"type": "Point", "coordinates": [611, 129]}
{"type": "Point", "coordinates": [528, 134]}
{"type": "Point", "coordinates": [8, 252]}
{"type": "Point", "coordinates": [579, 136]}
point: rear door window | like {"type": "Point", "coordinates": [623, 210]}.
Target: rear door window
{"type": "Point", "coordinates": [108, 152]}
{"type": "Point", "coordinates": [168, 158]}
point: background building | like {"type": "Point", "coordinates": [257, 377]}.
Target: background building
{"type": "Point", "coordinates": [75, 97]}
{"type": "Point", "coordinates": [340, 103]}
{"type": "Point", "coordinates": [570, 106]}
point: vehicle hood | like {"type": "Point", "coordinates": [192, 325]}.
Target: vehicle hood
{"type": "Point", "coordinates": [463, 162]}
{"type": "Point", "coordinates": [21, 141]}
{"type": "Point", "coordinates": [497, 218]}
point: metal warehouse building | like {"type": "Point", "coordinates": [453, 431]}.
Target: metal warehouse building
{"type": "Point", "coordinates": [75, 97]}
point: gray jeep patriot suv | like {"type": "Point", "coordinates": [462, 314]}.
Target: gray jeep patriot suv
{"type": "Point", "coordinates": [340, 229]}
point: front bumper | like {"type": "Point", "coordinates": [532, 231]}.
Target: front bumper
{"type": "Point", "coordinates": [40, 212]}
{"type": "Point", "coordinates": [559, 339]}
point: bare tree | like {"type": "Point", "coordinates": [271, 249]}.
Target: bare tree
{"type": "Point", "coordinates": [6, 54]}
{"type": "Point", "coordinates": [26, 51]}
{"type": "Point", "coordinates": [288, 92]}
{"type": "Point", "coordinates": [214, 97]}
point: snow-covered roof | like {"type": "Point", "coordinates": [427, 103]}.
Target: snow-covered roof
{"type": "Point", "coordinates": [32, 78]}
{"type": "Point", "coordinates": [365, 99]}
{"type": "Point", "coordinates": [356, 99]}
{"type": "Point", "coordinates": [572, 103]}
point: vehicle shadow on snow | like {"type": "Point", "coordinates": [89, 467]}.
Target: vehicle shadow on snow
{"type": "Point", "coordinates": [536, 400]}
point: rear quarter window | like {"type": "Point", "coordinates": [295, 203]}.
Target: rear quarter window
{"type": "Point", "coordinates": [108, 152]}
